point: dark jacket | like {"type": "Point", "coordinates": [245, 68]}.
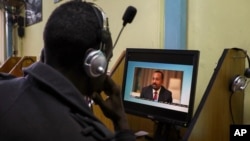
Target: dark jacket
{"type": "Point", "coordinates": [164, 94]}
{"type": "Point", "coordinates": [45, 106]}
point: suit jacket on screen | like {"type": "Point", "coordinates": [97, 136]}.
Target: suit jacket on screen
{"type": "Point", "coordinates": [164, 95]}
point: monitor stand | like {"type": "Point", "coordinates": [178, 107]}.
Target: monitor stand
{"type": "Point", "coordinates": [166, 132]}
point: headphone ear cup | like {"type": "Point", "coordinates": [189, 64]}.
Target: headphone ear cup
{"type": "Point", "coordinates": [95, 63]}
{"type": "Point", "coordinates": [247, 73]}
{"type": "Point", "coordinates": [238, 83]}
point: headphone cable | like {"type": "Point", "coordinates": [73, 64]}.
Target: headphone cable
{"type": "Point", "coordinates": [230, 108]}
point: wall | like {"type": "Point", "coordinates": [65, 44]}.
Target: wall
{"type": "Point", "coordinates": [145, 27]}
{"type": "Point", "coordinates": [150, 36]}
{"type": "Point", "coordinates": [212, 25]}
{"type": "Point", "coordinates": [33, 40]}
{"type": "Point", "coordinates": [2, 50]}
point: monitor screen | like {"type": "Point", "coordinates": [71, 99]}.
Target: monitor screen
{"type": "Point", "coordinates": [171, 74]}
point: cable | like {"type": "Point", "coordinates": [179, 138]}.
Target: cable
{"type": "Point", "coordinates": [230, 107]}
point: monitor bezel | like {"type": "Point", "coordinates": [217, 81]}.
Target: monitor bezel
{"type": "Point", "coordinates": [170, 56]}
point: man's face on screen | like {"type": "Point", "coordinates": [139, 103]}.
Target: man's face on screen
{"type": "Point", "coordinates": [156, 80]}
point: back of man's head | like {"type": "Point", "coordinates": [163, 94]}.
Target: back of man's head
{"type": "Point", "coordinates": [71, 29]}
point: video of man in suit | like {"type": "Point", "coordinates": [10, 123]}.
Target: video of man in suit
{"type": "Point", "coordinates": [157, 85]}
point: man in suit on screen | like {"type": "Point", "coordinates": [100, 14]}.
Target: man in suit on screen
{"type": "Point", "coordinates": [156, 91]}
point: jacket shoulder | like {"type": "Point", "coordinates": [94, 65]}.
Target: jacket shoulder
{"type": "Point", "coordinates": [6, 76]}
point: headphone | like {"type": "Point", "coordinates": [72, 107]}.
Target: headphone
{"type": "Point", "coordinates": [96, 61]}
{"type": "Point", "coordinates": [239, 82]}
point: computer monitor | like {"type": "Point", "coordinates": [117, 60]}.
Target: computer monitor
{"type": "Point", "coordinates": [179, 68]}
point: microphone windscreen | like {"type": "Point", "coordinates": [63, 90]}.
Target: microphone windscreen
{"type": "Point", "coordinates": [129, 15]}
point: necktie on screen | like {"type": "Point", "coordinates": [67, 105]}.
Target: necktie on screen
{"type": "Point", "coordinates": [155, 95]}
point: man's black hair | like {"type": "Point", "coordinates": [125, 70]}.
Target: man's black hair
{"type": "Point", "coordinates": [162, 74]}
{"type": "Point", "coordinates": [71, 29]}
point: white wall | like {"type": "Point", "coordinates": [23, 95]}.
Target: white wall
{"type": "Point", "coordinates": [143, 32]}
{"type": "Point", "coordinates": [212, 26]}
{"type": "Point", "coordinates": [145, 26]}
{"type": "Point", "coordinates": [33, 40]}
{"type": "Point", "coordinates": [2, 45]}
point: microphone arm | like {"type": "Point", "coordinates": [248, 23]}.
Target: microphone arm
{"type": "Point", "coordinates": [109, 56]}
{"type": "Point", "coordinates": [128, 17]}
{"type": "Point", "coordinates": [118, 37]}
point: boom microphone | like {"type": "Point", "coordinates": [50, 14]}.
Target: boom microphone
{"type": "Point", "coordinates": [128, 17]}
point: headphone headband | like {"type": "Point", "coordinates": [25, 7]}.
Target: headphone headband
{"type": "Point", "coordinates": [95, 62]}
{"type": "Point", "coordinates": [103, 20]}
